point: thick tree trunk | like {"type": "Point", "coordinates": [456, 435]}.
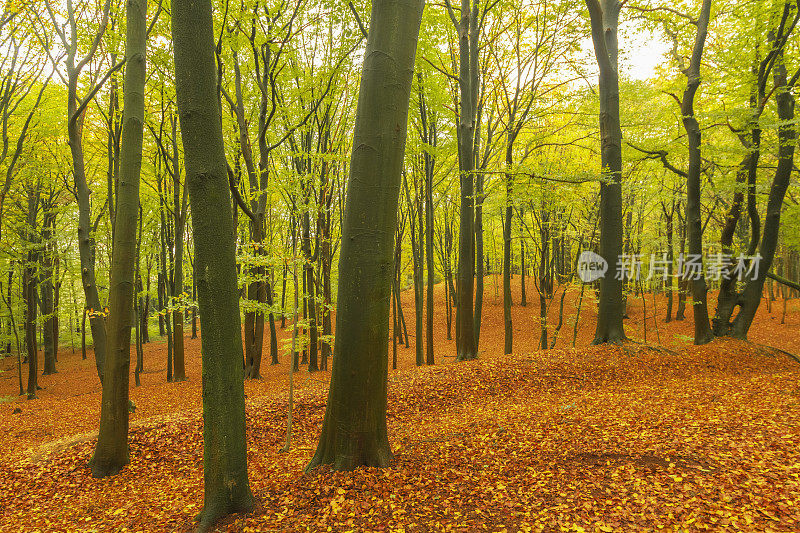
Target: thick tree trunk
{"type": "Point", "coordinates": [354, 430]}
{"type": "Point", "coordinates": [611, 307]}
{"type": "Point", "coordinates": [111, 453]}
{"type": "Point", "coordinates": [226, 486]}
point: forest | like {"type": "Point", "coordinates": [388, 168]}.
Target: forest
{"type": "Point", "coordinates": [496, 265]}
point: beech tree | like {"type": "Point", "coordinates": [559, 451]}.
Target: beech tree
{"type": "Point", "coordinates": [354, 429]}
{"type": "Point", "coordinates": [111, 453]}
{"type": "Point", "coordinates": [76, 107]}
{"type": "Point", "coordinates": [604, 18]}
{"type": "Point", "coordinates": [227, 489]}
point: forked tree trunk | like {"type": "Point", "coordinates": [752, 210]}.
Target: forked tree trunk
{"type": "Point", "coordinates": [354, 430]}
{"type": "Point", "coordinates": [111, 453]}
{"type": "Point", "coordinates": [787, 137]}
{"type": "Point", "coordinates": [226, 486]}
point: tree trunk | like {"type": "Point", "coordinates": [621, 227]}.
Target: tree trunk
{"type": "Point", "coordinates": [111, 453]}
{"type": "Point", "coordinates": [468, 51]}
{"type": "Point", "coordinates": [354, 430]}
{"type": "Point", "coordinates": [29, 290]}
{"type": "Point", "coordinates": [429, 170]}
{"type": "Point", "coordinates": [179, 202]}
{"type": "Point", "coordinates": [694, 226]}
{"type": "Point", "coordinates": [787, 135]}
{"type": "Point", "coordinates": [226, 486]}
{"type": "Point", "coordinates": [507, 224]}
{"type": "Point", "coordinates": [670, 258]}
{"type": "Point", "coordinates": [611, 308]}
{"type": "Point", "coordinates": [478, 257]}
{"type": "Point", "coordinates": [46, 292]}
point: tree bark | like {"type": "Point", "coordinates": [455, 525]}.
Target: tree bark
{"type": "Point", "coordinates": [466, 348]}
{"type": "Point", "coordinates": [226, 486]}
{"type": "Point", "coordinates": [694, 226]}
{"type": "Point", "coordinates": [29, 288]}
{"type": "Point", "coordinates": [611, 308]}
{"type": "Point", "coordinates": [354, 429]}
{"type": "Point", "coordinates": [111, 452]}
{"type": "Point", "coordinates": [787, 137]}
{"type": "Point", "coordinates": [47, 292]}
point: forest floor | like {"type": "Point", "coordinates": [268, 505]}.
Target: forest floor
{"type": "Point", "coordinates": [651, 435]}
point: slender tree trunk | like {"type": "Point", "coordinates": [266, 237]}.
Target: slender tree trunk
{"type": "Point", "coordinates": [670, 258]}
{"type": "Point", "coordinates": [429, 359]}
{"type": "Point", "coordinates": [478, 257]}
{"type": "Point", "coordinates": [46, 292]}
{"type": "Point", "coordinates": [694, 226]}
{"type": "Point", "coordinates": [29, 290]}
{"type": "Point", "coordinates": [507, 224]}
{"type": "Point", "coordinates": [226, 486]}
{"type": "Point", "coordinates": [354, 430]}
{"type": "Point", "coordinates": [111, 453]}
{"type": "Point", "coordinates": [29, 285]}
{"type": "Point", "coordinates": [466, 348]}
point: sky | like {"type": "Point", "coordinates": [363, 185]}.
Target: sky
{"type": "Point", "coordinates": [644, 52]}
{"type": "Point", "coordinates": [641, 51]}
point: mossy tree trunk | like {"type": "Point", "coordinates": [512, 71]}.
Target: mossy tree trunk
{"type": "Point", "coordinates": [354, 430]}
{"type": "Point", "coordinates": [111, 453]}
{"type": "Point", "coordinates": [227, 489]}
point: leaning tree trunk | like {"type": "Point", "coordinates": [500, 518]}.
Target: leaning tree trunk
{"type": "Point", "coordinates": [611, 306]}
{"type": "Point", "coordinates": [111, 453]}
{"type": "Point", "coordinates": [354, 430]}
{"type": "Point", "coordinates": [227, 489]}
